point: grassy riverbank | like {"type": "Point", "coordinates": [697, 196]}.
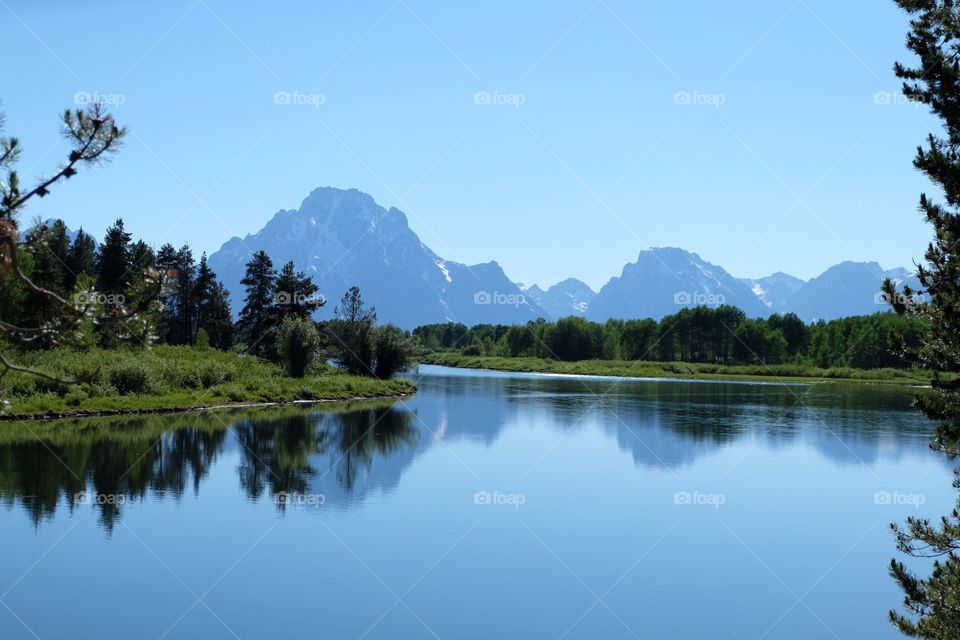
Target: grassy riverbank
{"type": "Point", "coordinates": [640, 369]}
{"type": "Point", "coordinates": [167, 378]}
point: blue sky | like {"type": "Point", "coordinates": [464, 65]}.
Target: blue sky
{"type": "Point", "coordinates": [760, 134]}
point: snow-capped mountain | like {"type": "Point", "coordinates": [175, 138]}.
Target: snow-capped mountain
{"type": "Point", "coordinates": [846, 289]}
{"type": "Point", "coordinates": [775, 290]}
{"type": "Point", "coordinates": [664, 280]}
{"type": "Point", "coordinates": [343, 238]}
{"type": "Point", "coordinates": [568, 298]}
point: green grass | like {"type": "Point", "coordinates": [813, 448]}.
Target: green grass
{"type": "Point", "coordinates": [642, 369]}
{"type": "Point", "coordinates": [166, 378]}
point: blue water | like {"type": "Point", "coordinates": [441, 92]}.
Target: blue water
{"type": "Point", "coordinates": [487, 506]}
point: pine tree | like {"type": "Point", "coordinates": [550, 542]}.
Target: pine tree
{"type": "Point", "coordinates": [114, 266]}
{"type": "Point", "coordinates": [185, 319]}
{"type": "Point", "coordinates": [217, 319]}
{"type": "Point", "coordinates": [296, 294]}
{"type": "Point", "coordinates": [933, 603]}
{"type": "Point", "coordinates": [212, 307]}
{"type": "Point", "coordinates": [82, 258]}
{"type": "Point", "coordinates": [256, 317]}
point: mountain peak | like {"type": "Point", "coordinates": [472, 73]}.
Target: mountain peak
{"type": "Point", "coordinates": [343, 238]}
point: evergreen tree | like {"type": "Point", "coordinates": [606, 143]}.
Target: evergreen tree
{"type": "Point", "coordinates": [212, 307]}
{"type": "Point", "coordinates": [114, 266]}
{"type": "Point", "coordinates": [296, 294]}
{"type": "Point", "coordinates": [256, 317]}
{"type": "Point", "coordinates": [932, 603]}
{"type": "Point", "coordinates": [82, 258]}
{"type": "Point", "coordinates": [216, 318]}
{"type": "Point", "coordinates": [49, 247]}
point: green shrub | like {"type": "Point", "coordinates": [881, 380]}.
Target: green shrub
{"type": "Point", "coordinates": [392, 350]}
{"type": "Point", "coordinates": [297, 344]}
{"type": "Point", "coordinates": [129, 378]}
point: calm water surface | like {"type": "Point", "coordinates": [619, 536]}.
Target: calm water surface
{"type": "Point", "coordinates": [488, 506]}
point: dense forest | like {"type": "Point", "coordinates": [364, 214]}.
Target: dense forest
{"type": "Point", "coordinates": [722, 335]}
{"type": "Point", "coordinates": [191, 307]}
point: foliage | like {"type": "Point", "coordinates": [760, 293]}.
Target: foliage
{"type": "Point", "coordinates": [703, 335]}
{"type": "Point", "coordinates": [350, 334]}
{"type": "Point", "coordinates": [256, 316]}
{"type": "Point", "coordinates": [932, 604]}
{"type": "Point", "coordinates": [393, 350]}
{"type": "Point", "coordinates": [297, 345]}
{"type": "Point", "coordinates": [176, 377]}
{"type": "Point", "coordinates": [649, 369]}
{"type": "Point", "coordinates": [52, 315]}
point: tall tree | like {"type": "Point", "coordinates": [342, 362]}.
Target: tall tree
{"type": "Point", "coordinates": [114, 267]}
{"type": "Point", "coordinates": [932, 603]}
{"type": "Point", "coordinates": [350, 333]}
{"type": "Point", "coordinates": [212, 305]}
{"type": "Point", "coordinates": [296, 293]}
{"type": "Point", "coordinates": [256, 317]}
{"type": "Point", "coordinates": [82, 258]}
{"type": "Point", "coordinates": [216, 318]}
{"type": "Point", "coordinates": [48, 246]}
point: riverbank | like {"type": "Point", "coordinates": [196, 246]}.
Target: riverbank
{"type": "Point", "coordinates": [641, 369]}
{"type": "Point", "coordinates": [168, 379]}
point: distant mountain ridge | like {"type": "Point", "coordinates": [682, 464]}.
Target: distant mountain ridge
{"type": "Point", "coordinates": [664, 280]}
{"type": "Point", "coordinates": [568, 298]}
{"type": "Point", "coordinates": [343, 238]}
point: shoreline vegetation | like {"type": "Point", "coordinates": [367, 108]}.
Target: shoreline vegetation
{"type": "Point", "coordinates": [682, 370]}
{"type": "Point", "coordinates": [167, 379]}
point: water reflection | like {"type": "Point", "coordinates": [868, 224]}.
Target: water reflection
{"type": "Point", "coordinates": [347, 453]}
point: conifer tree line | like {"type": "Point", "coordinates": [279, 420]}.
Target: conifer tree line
{"type": "Point", "coordinates": [194, 307]}
{"type": "Point", "coordinates": [721, 335]}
